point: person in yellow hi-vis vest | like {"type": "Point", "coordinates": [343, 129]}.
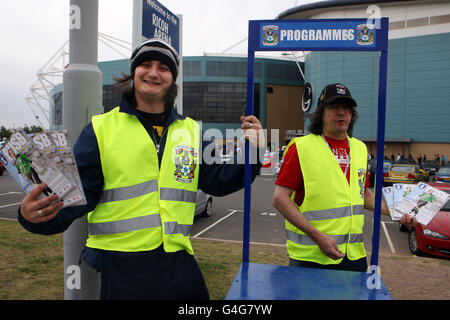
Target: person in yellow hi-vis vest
{"type": "Point", "coordinates": [322, 188]}
{"type": "Point", "coordinates": [140, 168]}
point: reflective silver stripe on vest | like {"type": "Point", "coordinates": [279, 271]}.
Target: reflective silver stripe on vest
{"type": "Point", "coordinates": [306, 240]}
{"type": "Point", "coordinates": [356, 237]}
{"type": "Point", "coordinates": [334, 213]}
{"type": "Point", "coordinates": [177, 195]}
{"type": "Point", "coordinates": [175, 228]}
{"type": "Point", "coordinates": [358, 209]}
{"type": "Point", "coordinates": [130, 192]}
{"type": "Point", "coordinates": [125, 225]}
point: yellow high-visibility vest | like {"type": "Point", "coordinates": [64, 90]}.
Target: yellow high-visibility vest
{"type": "Point", "coordinates": [144, 205]}
{"type": "Point", "coordinates": [331, 204]}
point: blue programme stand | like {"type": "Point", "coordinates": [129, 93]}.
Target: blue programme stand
{"type": "Point", "coordinates": [269, 282]}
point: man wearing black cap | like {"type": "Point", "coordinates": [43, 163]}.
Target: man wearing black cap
{"type": "Point", "coordinates": [322, 188]}
{"type": "Point", "coordinates": [140, 169]}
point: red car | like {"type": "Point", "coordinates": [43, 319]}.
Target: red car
{"type": "Point", "coordinates": [269, 160]}
{"type": "Point", "coordinates": [434, 238]}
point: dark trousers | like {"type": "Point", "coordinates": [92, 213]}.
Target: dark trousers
{"type": "Point", "coordinates": [346, 264]}
{"type": "Point", "coordinates": [153, 275]}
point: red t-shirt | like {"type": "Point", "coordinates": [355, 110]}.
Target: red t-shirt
{"type": "Point", "coordinates": [290, 175]}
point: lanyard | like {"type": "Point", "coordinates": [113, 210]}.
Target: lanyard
{"type": "Point", "coordinates": [348, 159]}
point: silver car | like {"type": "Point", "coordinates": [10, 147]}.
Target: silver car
{"type": "Point", "coordinates": [203, 204]}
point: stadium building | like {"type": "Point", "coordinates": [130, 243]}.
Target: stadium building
{"type": "Point", "coordinates": [214, 91]}
{"type": "Point", "coordinates": [418, 79]}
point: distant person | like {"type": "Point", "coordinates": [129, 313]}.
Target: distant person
{"type": "Point", "coordinates": [443, 159]}
{"type": "Point", "coordinates": [419, 159]}
{"type": "Point", "coordinates": [437, 159]}
{"type": "Point", "coordinates": [322, 192]}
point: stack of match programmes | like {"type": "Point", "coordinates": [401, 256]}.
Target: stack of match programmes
{"type": "Point", "coordinates": [44, 157]}
{"type": "Point", "coordinates": [418, 200]}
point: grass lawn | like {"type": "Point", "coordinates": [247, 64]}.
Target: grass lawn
{"type": "Point", "coordinates": [32, 266]}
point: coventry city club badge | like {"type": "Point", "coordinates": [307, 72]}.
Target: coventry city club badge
{"type": "Point", "coordinates": [270, 35]}
{"type": "Point", "coordinates": [364, 34]}
{"type": "Point", "coordinates": [186, 159]}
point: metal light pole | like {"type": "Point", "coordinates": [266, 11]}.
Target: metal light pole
{"type": "Point", "coordinates": [82, 98]}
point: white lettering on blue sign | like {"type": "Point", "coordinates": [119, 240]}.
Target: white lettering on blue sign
{"type": "Point", "coordinates": [319, 34]}
{"type": "Point", "coordinates": [160, 23]}
{"type": "Point", "coordinates": [326, 34]}
{"type": "Point", "coordinates": [154, 5]}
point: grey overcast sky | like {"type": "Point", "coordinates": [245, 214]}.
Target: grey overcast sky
{"type": "Point", "coordinates": [33, 31]}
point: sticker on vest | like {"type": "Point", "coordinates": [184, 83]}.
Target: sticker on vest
{"type": "Point", "coordinates": [362, 181]}
{"type": "Point", "coordinates": [186, 159]}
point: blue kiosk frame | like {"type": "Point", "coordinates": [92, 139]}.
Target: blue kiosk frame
{"type": "Point", "coordinates": [269, 282]}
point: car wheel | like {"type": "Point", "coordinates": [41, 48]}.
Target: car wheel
{"type": "Point", "coordinates": [412, 240]}
{"type": "Point", "coordinates": [208, 208]}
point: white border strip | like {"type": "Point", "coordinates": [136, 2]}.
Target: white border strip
{"type": "Point", "coordinates": [10, 205]}
{"type": "Point", "coordinates": [391, 246]}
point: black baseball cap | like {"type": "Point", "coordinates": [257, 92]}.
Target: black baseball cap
{"type": "Point", "coordinates": [335, 91]}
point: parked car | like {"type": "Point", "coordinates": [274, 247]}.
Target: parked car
{"type": "Point", "coordinates": [434, 238]}
{"type": "Point", "coordinates": [372, 166]}
{"type": "Point", "coordinates": [278, 168]}
{"type": "Point", "coordinates": [403, 173]}
{"type": "Point", "coordinates": [442, 175]}
{"type": "Point", "coordinates": [405, 161]}
{"type": "Point", "coordinates": [270, 160]}
{"type": "Point", "coordinates": [431, 166]}
{"type": "Point", "coordinates": [203, 204]}
{"type": "Point", "coordinates": [2, 167]}
{"type": "Point", "coordinates": [267, 162]}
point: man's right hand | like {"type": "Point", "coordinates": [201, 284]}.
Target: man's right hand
{"type": "Point", "coordinates": [329, 247]}
{"type": "Point", "coordinates": [37, 210]}
{"type": "Point", "coordinates": [408, 221]}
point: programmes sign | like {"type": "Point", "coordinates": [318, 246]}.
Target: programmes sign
{"type": "Point", "coordinates": [159, 22]}
{"type": "Point", "coordinates": [355, 34]}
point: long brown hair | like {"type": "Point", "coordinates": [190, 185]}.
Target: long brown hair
{"type": "Point", "coordinates": [126, 86]}
{"type": "Point", "coordinates": [316, 124]}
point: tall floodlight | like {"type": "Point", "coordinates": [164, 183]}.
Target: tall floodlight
{"type": "Point", "coordinates": [82, 98]}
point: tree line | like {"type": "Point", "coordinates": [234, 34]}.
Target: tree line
{"type": "Point", "coordinates": [6, 133]}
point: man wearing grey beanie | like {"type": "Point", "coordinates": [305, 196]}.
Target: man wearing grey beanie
{"type": "Point", "coordinates": [140, 168]}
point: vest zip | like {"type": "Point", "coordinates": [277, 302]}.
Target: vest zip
{"type": "Point", "coordinates": [349, 187]}
{"type": "Point", "coordinates": [162, 142]}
